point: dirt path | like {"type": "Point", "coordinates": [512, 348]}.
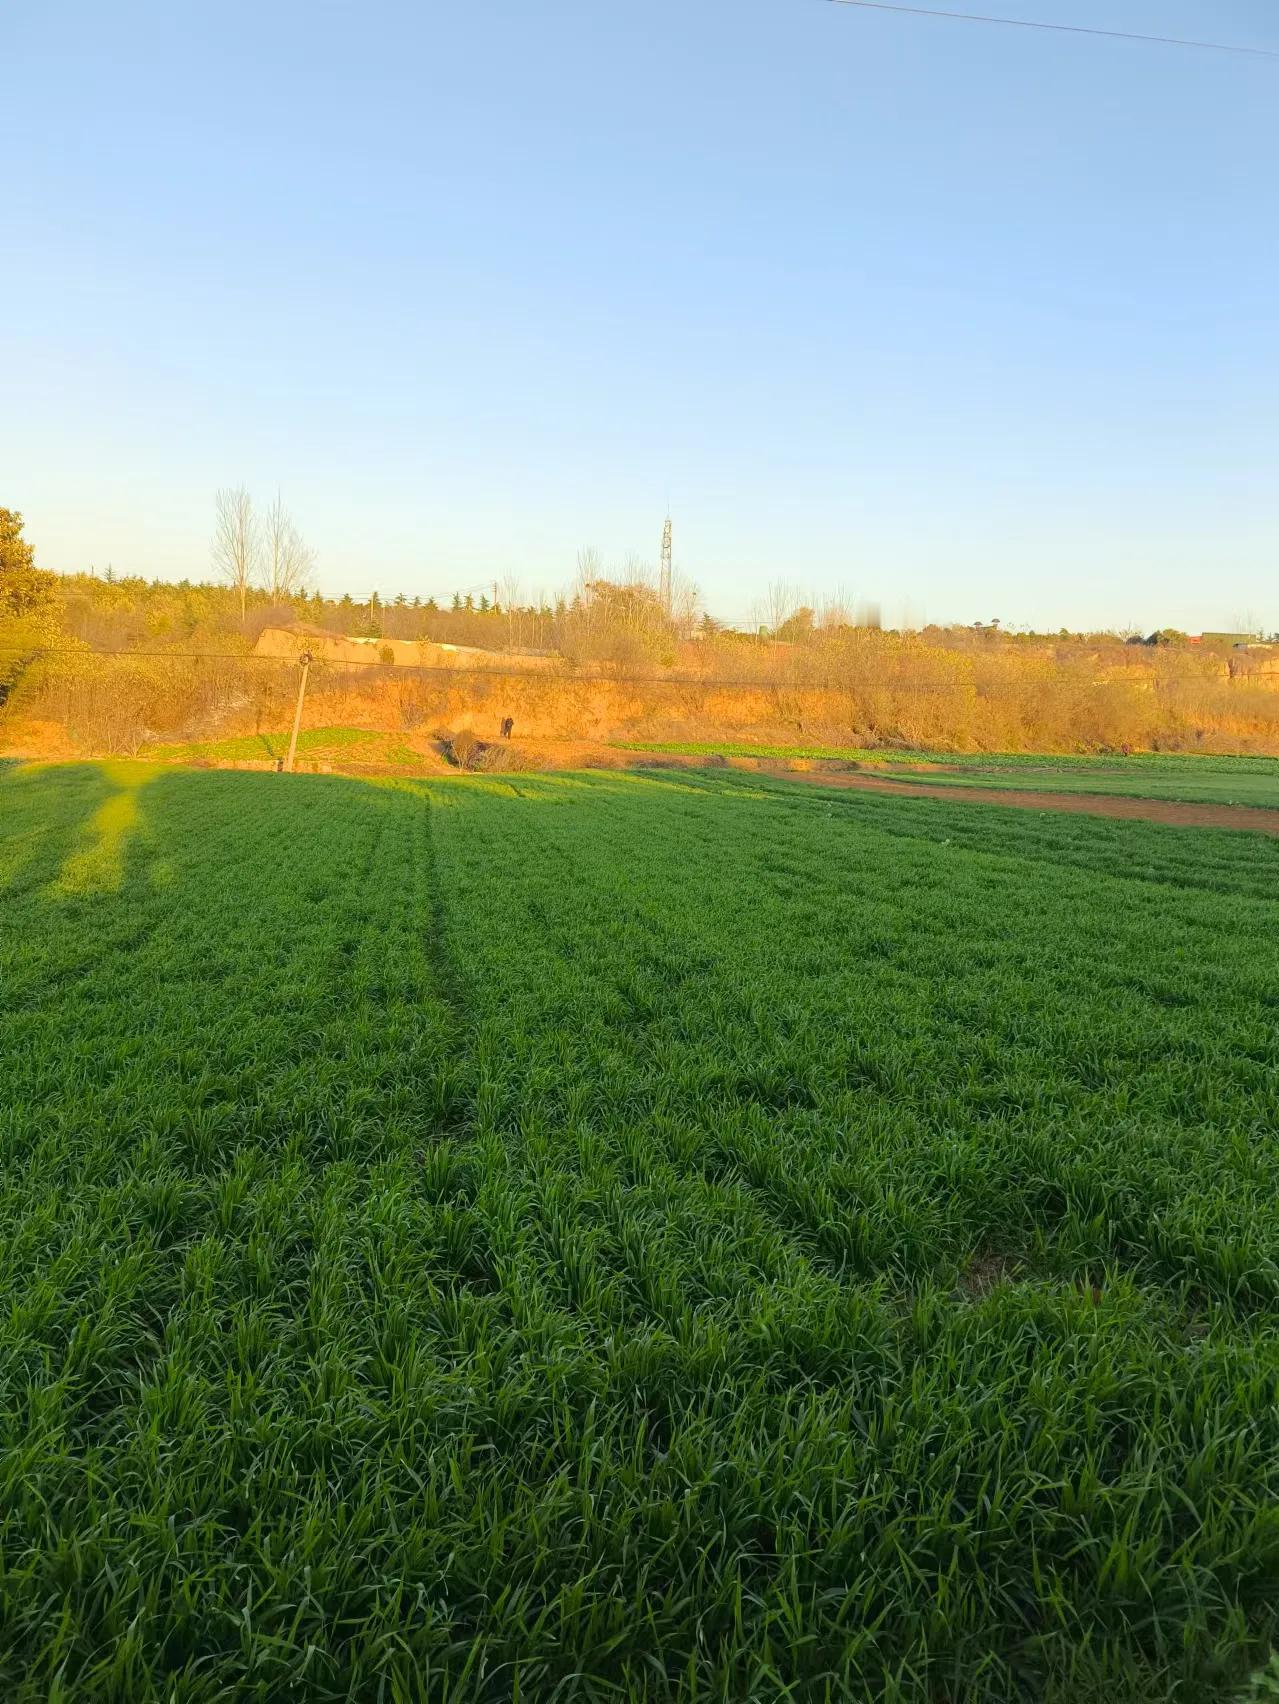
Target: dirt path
{"type": "Point", "coordinates": [1258, 819]}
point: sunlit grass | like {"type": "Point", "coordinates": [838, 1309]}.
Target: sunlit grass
{"type": "Point", "coordinates": [96, 867]}
{"type": "Point", "coordinates": [736, 748]}
{"type": "Point", "coordinates": [1211, 781]}
{"type": "Point", "coordinates": [1177, 776]}
{"type": "Point", "coordinates": [339, 743]}
{"type": "Point", "coordinates": [708, 1240]}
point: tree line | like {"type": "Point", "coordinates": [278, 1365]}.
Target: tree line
{"type": "Point", "coordinates": [188, 670]}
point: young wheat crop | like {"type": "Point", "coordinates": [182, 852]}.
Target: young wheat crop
{"type": "Point", "coordinates": [633, 1237]}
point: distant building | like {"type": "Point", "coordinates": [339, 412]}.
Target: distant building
{"type": "Point", "coordinates": [342, 650]}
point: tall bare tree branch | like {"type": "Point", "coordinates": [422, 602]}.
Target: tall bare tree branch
{"type": "Point", "coordinates": [286, 558]}
{"type": "Point", "coordinates": [236, 541]}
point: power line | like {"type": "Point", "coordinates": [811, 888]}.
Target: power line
{"type": "Point", "coordinates": [1059, 29]}
{"type": "Point", "coordinates": [702, 683]}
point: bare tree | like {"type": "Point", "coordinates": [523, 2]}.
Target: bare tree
{"type": "Point", "coordinates": [635, 571]}
{"type": "Point", "coordinates": [590, 570]}
{"type": "Point", "coordinates": [236, 541]}
{"type": "Point", "coordinates": [286, 558]}
{"type": "Point", "coordinates": [837, 609]}
{"type": "Point", "coordinates": [509, 593]}
{"type": "Point", "coordinates": [685, 600]}
{"type": "Point", "coordinates": [779, 604]}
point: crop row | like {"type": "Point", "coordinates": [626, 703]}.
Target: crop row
{"type": "Point", "coordinates": [638, 1237]}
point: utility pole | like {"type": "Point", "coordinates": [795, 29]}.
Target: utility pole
{"type": "Point", "coordinates": [305, 660]}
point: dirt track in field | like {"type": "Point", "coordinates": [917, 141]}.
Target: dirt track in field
{"type": "Point", "coordinates": [1258, 819]}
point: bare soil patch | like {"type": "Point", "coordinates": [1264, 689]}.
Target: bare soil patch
{"type": "Point", "coordinates": [1255, 818]}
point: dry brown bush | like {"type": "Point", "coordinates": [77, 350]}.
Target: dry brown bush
{"type": "Point", "coordinates": [845, 686]}
{"type": "Point", "coordinates": [115, 705]}
{"type": "Point", "coordinates": [505, 759]}
{"type": "Point", "coordinates": [464, 749]}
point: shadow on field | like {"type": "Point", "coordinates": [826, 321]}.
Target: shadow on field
{"type": "Point", "coordinates": [44, 813]}
{"type": "Point", "coordinates": [98, 865]}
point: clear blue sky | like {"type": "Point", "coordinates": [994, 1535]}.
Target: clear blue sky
{"type": "Point", "coordinates": [978, 322]}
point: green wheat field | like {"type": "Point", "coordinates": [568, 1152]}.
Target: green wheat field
{"type": "Point", "coordinates": [645, 1236]}
{"type": "Point", "coordinates": [1176, 776]}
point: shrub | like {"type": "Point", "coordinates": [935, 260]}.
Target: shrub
{"type": "Point", "coordinates": [464, 749]}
